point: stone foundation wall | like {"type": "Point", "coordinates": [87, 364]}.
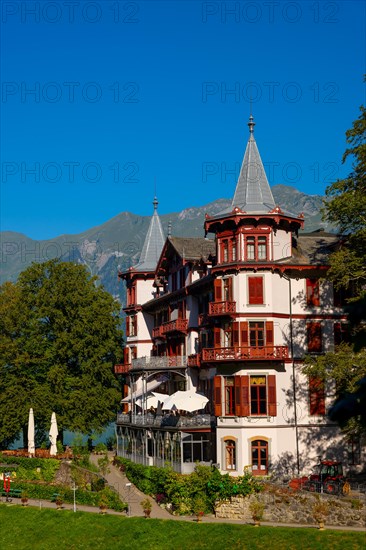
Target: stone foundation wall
{"type": "Point", "coordinates": [297, 508]}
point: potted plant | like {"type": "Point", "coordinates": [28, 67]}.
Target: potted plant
{"type": "Point", "coordinates": [24, 498]}
{"type": "Point", "coordinates": [199, 506]}
{"type": "Point", "coordinates": [59, 502]}
{"type": "Point", "coordinates": [320, 511]}
{"type": "Point", "coordinates": [146, 506]}
{"type": "Point", "coordinates": [103, 503]}
{"type": "Point", "coordinates": [256, 508]}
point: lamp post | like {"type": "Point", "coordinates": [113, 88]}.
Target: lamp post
{"type": "Point", "coordinates": [128, 485]}
{"type": "Point", "coordinates": [74, 488]}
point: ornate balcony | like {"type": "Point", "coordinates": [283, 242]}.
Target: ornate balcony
{"type": "Point", "coordinates": [122, 369]}
{"type": "Point", "coordinates": [194, 360]}
{"type": "Point", "coordinates": [178, 325]}
{"type": "Point", "coordinates": [221, 308]}
{"type": "Point", "coordinates": [167, 421]}
{"type": "Point", "coordinates": [165, 362]}
{"type": "Point", "coordinates": [245, 353]}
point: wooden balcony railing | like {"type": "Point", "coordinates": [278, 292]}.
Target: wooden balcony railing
{"type": "Point", "coordinates": [122, 369]}
{"type": "Point", "coordinates": [194, 360]}
{"type": "Point", "coordinates": [178, 325]}
{"type": "Point", "coordinates": [245, 353]}
{"type": "Point", "coordinates": [221, 308]}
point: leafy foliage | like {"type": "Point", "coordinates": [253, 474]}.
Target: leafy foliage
{"type": "Point", "coordinates": [206, 485]}
{"type": "Point", "coordinates": [59, 340]}
{"type": "Point", "coordinates": [345, 368]}
{"type": "Point", "coordinates": [345, 207]}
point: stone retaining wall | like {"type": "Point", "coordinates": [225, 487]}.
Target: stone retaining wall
{"type": "Point", "coordinates": [297, 508]}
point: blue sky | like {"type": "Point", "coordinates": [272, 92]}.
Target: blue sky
{"type": "Point", "coordinates": [128, 93]}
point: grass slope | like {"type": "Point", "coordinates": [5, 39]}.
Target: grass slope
{"type": "Point", "coordinates": [28, 528]}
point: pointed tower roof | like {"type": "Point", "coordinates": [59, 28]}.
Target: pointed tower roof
{"type": "Point", "coordinates": [253, 193]}
{"type": "Point", "coordinates": [153, 245]}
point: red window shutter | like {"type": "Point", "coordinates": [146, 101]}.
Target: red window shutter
{"type": "Point", "coordinates": [127, 326]}
{"type": "Point", "coordinates": [316, 396]}
{"type": "Point", "coordinates": [255, 287]}
{"type": "Point", "coordinates": [230, 289]}
{"type": "Point", "coordinates": [312, 292]}
{"type": "Point", "coordinates": [244, 395]}
{"type": "Point", "coordinates": [235, 334]}
{"type": "Point", "coordinates": [217, 396]}
{"type": "Point", "coordinates": [269, 333]}
{"type": "Point", "coordinates": [218, 290]}
{"type": "Point", "coordinates": [217, 337]}
{"type": "Point", "coordinates": [237, 388]}
{"type": "Point", "coordinates": [272, 399]}
{"type": "Point", "coordinates": [244, 333]}
{"type": "Point", "coordinates": [314, 334]}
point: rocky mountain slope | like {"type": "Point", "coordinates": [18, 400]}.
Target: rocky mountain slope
{"type": "Point", "coordinates": [116, 244]}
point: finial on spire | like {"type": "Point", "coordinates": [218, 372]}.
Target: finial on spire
{"type": "Point", "coordinates": [251, 124]}
{"type": "Point", "coordinates": [155, 203]}
{"type": "Point", "coordinates": [170, 228]}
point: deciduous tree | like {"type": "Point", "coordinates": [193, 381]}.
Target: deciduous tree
{"type": "Point", "coordinates": [60, 337]}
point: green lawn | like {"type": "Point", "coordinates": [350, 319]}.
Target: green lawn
{"type": "Point", "coordinates": [30, 528]}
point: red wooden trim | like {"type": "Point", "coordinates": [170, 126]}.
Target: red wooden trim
{"type": "Point", "coordinates": [245, 395]}
{"type": "Point", "coordinates": [235, 333]}
{"type": "Point", "coordinates": [244, 333]}
{"type": "Point", "coordinates": [272, 400]}
{"type": "Point", "coordinates": [255, 290]}
{"type": "Point", "coordinates": [217, 396]}
{"type": "Point", "coordinates": [316, 396]}
{"type": "Point", "coordinates": [314, 336]}
{"type": "Point", "coordinates": [238, 395]}
{"type": "Point", "coordinates": [269, 333]}
{"type": "Point", "coordinates": [218, 290]}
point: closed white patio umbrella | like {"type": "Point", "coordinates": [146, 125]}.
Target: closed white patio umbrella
{"type": "Point", "coordinates": [31, 434]}
{"type": "Point", "coordinates": [53, 435]}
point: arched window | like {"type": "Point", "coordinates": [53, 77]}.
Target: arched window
{"type": "Point", "coordinates": [230, 454]}
{"type": "Point", "coordinates": [259, 457]}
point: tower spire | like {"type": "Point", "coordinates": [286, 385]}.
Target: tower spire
{"type": "Point", "coordinates": [253, 193]}
{"type": "Point", "coordinates": [154, 242]}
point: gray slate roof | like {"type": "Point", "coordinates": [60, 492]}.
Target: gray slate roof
{"type": "Point", "coordinates": [253, 193]}
{"type": "Point", "coordinates": [193, 248]}
{"type": "Point", "coordinates": [153, 245]}
{"type": "Point", "coordinates": [313, 248]}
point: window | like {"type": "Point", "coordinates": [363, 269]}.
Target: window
{"type": "Point", "coordinates": [341, 333]}
{"type": "Point", "coordinates": [246, 395]}
{"type": "Point", "coordinates": [312, 292]}
{"type": "Point", "coordinates": [229, 396]}
{"type": "Point", "coordinates": [250, 248]}
{"type": "Point", "coordinates": [233, 251]}
{"type": "Point", "coordinates": [258, 395]}
{"type": "Point", "coordinates": [255, 290]}
{"type": "Point", "coordinates": [131, 325]}
{"type": "Point", "coordinates": [354, 451]}
{"type": "Point", "coordinates": [228, 289]}
{"type": "Point", "coordinates": [131, 295]}
{"type": "Point", "coordinates": [230, 454]}
{"type": "Point", "coordinates": [256, 248]}
{"type": "Point", "coordinates": [259, 451]}
{"type": "Point", "coordinates": [225, 251]}
{"type": "Point", "coordinates": [316, 396]}
{"type": "Point", "coordinates": [256, 334]}
{"type": "Point", "coordinates": [314, 336]}
{"type": "Point", "coordinates": [262, 248]}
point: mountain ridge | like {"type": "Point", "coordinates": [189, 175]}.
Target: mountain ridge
{"type": "Point", "coordinates": [116, 244]}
